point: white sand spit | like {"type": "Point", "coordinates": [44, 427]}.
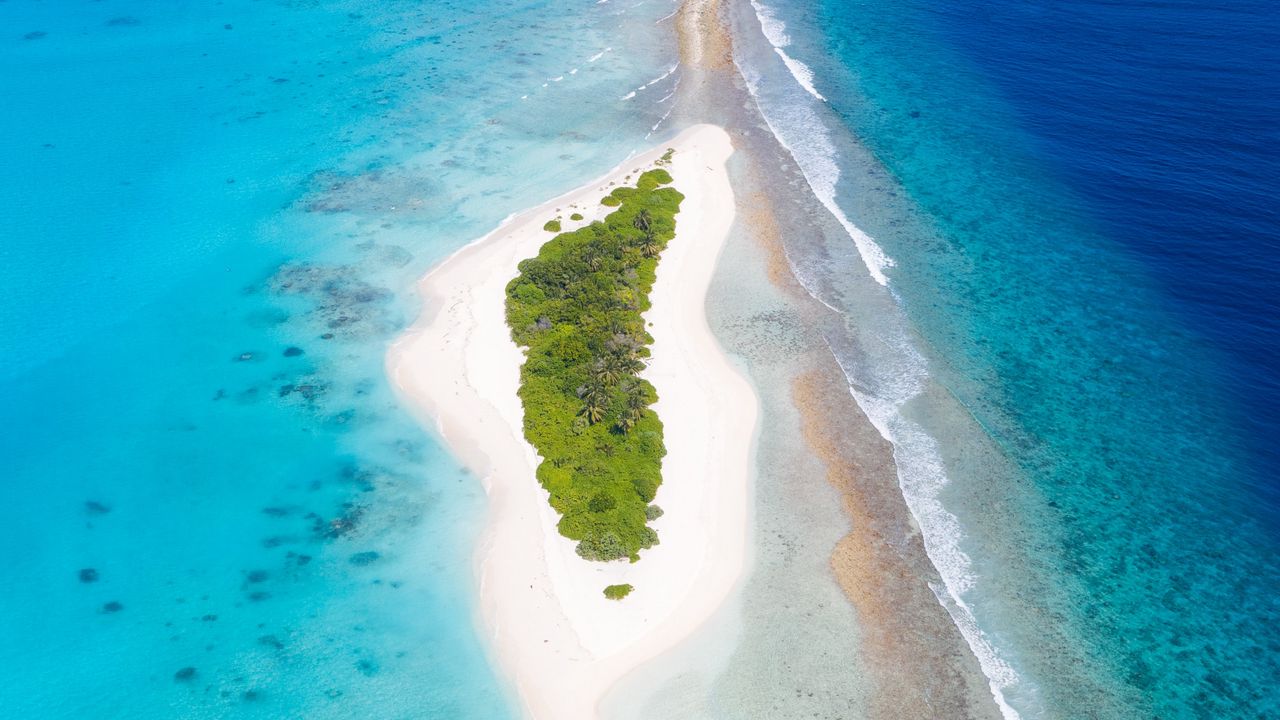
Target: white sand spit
{"type": "Point", "coordinates": [562, 644]}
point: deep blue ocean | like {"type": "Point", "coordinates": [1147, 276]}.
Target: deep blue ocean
{"type": "Point", "coordinates": [1080, 202]}
{"type": "Point", "coordinates": [212, 216]}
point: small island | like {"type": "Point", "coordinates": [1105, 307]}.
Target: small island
{"type": "Point", "coordinates": [575, 374]}
{"type": "Point", "coordinates": [577, 310]}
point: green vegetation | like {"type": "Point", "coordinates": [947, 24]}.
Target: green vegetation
{"type": "Point", "coordinates": [577, 308]}
{"type": "Point", "coordinates": [617, 592]}
{"type": "Point", "coordinates": [575, 217]}
{"type": "Point", "coordinates": [552, 226]}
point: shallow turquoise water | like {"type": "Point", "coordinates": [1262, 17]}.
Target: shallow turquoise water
{"type": "Point", "coordinates": [212, 218]}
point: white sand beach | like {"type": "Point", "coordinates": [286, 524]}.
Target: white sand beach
{"type": "Point", "coordinates": [555, 636]}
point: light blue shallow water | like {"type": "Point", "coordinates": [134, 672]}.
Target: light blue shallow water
{"type": "Point", "coordinates": [211, 217]}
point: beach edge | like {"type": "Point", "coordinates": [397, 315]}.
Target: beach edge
{"type": "Point", "coordinates": [551, 631]}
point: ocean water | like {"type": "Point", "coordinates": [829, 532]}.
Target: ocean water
{"type": "Point", "coordinates": [1050, 253]}
{"type": "Point", "coordinates": [213, 214]}
{"type": "Point", "coordinates": [1055, 249]}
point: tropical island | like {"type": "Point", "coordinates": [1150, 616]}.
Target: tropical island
{"type": "Point", "coordinates": [567, 360]}
{"type": "Point", "coordinates": [577, 308]}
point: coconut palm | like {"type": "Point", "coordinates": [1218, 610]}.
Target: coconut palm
{"type": "Point", "coordinates": [626, 421]}
{"type": "Point", "coordinates": [636, 399]}
{"type": "Point", "coordinates": [643, 221]}
{"type": "Point", "coordinates": [607, 370]}
{"type": "Point", "coordinates": [595, 398]}
{"type": "Point", "coordinates": [592, 411]}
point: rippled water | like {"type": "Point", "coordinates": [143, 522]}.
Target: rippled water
{"type": "Point", "coordinates": [1076, 368]}
{"type": "Point", "coordinates": [213, 506]}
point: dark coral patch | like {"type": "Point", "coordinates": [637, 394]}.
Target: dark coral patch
{"type": "Point", "coordinates": [364, 558]}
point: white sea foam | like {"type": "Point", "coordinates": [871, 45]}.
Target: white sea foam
{"type": "Point", "coordinates": [598, 55]}
{"type": "Point", "coordinates": [674, 88]}
{"type": "Point", "coordinates": [891, 381]}
{"type": "Point", "coordinates": [665, 18]}
{"type": "Point", "coordinates": [662, 119]}
{"type": "Point", "coordinates": [804, 136]}
{"type": "Point", "coordinates": [922, 476]}
{"type": "Point", "coordinates": [775, 31]}
{"type": "Point", "coordinates": [800, 72]}
{"type": "Point", "coordinates": [802, 133]}
{"type": "Point", "coordinates": [653, 82]}
{"type": "Point", "coordinates": [663, 76]}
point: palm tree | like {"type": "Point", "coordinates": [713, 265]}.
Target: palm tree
{"type": "Point", "coordinates": [630, 364]}
{"type": "Point", "coordinates": [592, 411]}
{"type": "Point", "coordinates": [637, 402]}
{"type": "Point", "coordinates": [625, 422]}
{"type": "Point", "coordinates": [606, 370]}
{"type": "Point", "coordinates": [595, 400]}
{"type": "Point", "coordinates": [643, 221]}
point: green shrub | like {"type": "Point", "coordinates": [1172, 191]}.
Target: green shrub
{"type": "Point", "coordinates": [653, 512]}
{"type": "Point", "coordinates": [576, 308]}
{"type": "Point", "coordinates": [607, 547]}
{"type": "Point", "coordinates": [575, 217]}
{"type": "Point", "coordinates": [552, 226]}
{"type": "Point", "coordinates": [602, 502]}
{"type": "Point", "coordinates": [617, 592]}
{"type": "Point", "coordinates": [653, 179]}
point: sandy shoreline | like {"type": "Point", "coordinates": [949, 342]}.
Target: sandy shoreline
{"type": "Point", "coordinates": [554, 634]}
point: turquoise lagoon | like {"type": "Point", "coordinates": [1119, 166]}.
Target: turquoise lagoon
{"type": "Point", "coordinates": [213, 505]}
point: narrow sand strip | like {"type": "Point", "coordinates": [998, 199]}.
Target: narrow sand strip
{"type": "Point", "coordinates": [553, 632]}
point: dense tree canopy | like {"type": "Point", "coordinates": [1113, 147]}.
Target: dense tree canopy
{"type": "Point", "coordinates": [576, 308]}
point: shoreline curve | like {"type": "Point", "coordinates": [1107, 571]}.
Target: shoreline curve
{"type": "Point", "coordinates": [555, 637]}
